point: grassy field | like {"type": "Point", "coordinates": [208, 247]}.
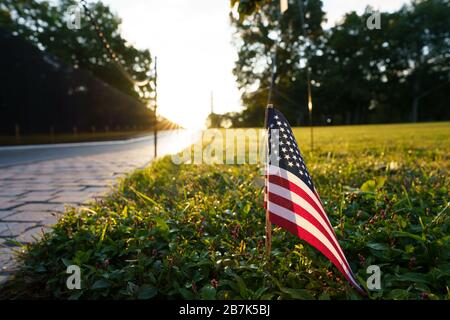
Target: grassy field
{"type": "Point", "coordinates": [197, 231]}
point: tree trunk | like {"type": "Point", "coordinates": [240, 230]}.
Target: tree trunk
{"type": "Point", "coordinates": [415, 109]}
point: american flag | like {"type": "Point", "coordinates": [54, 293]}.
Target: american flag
{"type": "Point", "coordinates": [291, 198]}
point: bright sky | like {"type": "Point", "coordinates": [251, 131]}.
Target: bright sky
{"type": "Point", "coordinates": [192, 39]}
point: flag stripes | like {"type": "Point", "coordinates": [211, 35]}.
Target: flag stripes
{"type": "Point", "coordinates": [291, 199]}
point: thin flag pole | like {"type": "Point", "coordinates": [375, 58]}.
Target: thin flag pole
{"type": "Point", "coordinates": [266, 187]}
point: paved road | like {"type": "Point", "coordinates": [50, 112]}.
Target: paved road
{"type": "Point", "coordinates": [36, 182]}
{"type": "Point", "coordinates": [26, 154]}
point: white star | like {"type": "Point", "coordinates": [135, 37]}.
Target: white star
{"type": "Point", "coordinates": [288, 143]}
{"type": "Point", "coordinates": [290, 164]}
{"type": "Point", "coordinates": [283, 149]}
{"type": "Point", "coordinates": [287, 157]}
{"type": "Point", "coordinates": [282, 129]}
{"type": "Point", "coordinates": [276, 117]}
{"type": "Point", "coordinates": [279, 123]}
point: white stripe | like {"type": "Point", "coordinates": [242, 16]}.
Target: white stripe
{"type": "Point", "coordinates": [304, 224]}
{"type": "Point", "coordinates": [277, 171]}
{"type": "Point", "coordinates": [292, 196]}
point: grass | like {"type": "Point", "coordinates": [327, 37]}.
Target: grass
{"type": "Point", "coordinates": [197, 231]}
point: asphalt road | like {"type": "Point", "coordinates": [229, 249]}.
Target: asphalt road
{"type": "Point", "coordinates": [168, 142]}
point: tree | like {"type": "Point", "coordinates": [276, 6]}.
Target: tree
{"type": "Point", "coordinates": [358, 75]}
{"type": "Point", "coordinates": [265, 40]}
{"type": "Point", "coordinates": [44, 24]}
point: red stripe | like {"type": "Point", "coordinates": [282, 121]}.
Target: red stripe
{"type": "Point", "coordinates": [301, 193]}
{"type": "Point", "coordinates": [308, 237]}
{"type": "Point", "coordinates": [320, 200]}
{"type": "Point", "coordinates": [287, 184]}
{"type": "Point", "coordinates": [285, 203]}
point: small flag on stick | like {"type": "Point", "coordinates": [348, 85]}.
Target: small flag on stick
{"type": "Point", "coordinates": [292, 201]}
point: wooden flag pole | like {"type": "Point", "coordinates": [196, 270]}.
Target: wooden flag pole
{"type": "Point", "coordinates": [266, 187]}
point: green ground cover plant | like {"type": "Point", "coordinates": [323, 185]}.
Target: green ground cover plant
{"type": "Point", "coordinates": [197, 231]}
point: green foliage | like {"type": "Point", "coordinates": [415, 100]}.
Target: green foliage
{"type": "Point", "coordinates": [394, 74]}
{"type": "Point", "coordinates": [44, 24]}
{"type": "Point", "coordinates": [197, 231]}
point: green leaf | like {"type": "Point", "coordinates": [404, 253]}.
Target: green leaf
{"type": "Point", "coordinates": [413, 277]}
{"type": "Point", "coordinates": [324, 296]}
{"type": "Point", "coordinates": [76, 295]}
{"type": "Point", "coordinates": [369, 186]}
{"type": "Point", "coordinates": [398, 294]}
{"type": "Point", "coordinates": [208, 292]}
{"type": "Point", "coordinates": [66, 262]}
{"type": "Point", "coordinates": [380, 182]}
{"type": "Point", "coordinates": [399, 234]}
{"type": "Point", "coordinates": [187, 294]}
{"type": "Point", "coordinates": [300, 294]}
{"type": "Point", "coordinates": [147, 291]}
{"type": "Point", "coordinates": [161, 224]}
{"type": "Point", "coordinates": [100, 284]}
{"type": "Point", "coordinates": [377, 246]}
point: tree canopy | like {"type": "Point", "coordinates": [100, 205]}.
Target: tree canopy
{"type": "Point", "coordinates": [397, 73]}
{"type": "Point", "coordinates": [44, 23]}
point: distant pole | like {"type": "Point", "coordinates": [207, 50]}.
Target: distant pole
{"type": "Point", "coordinates": [212, 102]}
{"type": "Point", "coordinates": [156, 107]}
{"type": "Point", "coordinates": [308, 76]}
{"type": "Point", "coordinates": [310, 106]}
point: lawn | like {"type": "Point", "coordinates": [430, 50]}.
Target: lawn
{"type": "Point", "coordinates": [197, 231]}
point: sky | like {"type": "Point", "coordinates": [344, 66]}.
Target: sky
{"type": "Point", "coordinates": [192, 40]}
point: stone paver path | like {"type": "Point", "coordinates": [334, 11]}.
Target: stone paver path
{"type": "Point", "coordinates": [32, 196]}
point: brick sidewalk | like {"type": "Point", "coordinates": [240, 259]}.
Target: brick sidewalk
{"type": "Point", "coordinates": [32, 196]}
